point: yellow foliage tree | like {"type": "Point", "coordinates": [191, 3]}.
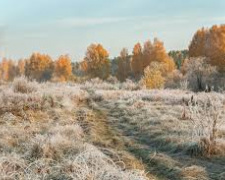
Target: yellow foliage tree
{"type": "Point", "coordinates": [63, 68]}
{"type": "Point", "coordinates": [96, 61]}
{"type": "Point", "coordinates": [153, 78]}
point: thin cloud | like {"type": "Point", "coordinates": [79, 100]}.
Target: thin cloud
{"type": "Point", "coordinates": [84, 22]}
{"type": "Point", "coordinates": [156, 22]}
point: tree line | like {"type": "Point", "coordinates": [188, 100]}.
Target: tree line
{"type": "Point", "coordinates": [148, 63]}
{"type": "Point", "coordinates": [39, 67]}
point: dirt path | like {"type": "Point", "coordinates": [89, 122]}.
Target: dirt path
{"type": "Point", "coordinates": [159, 162]}
{"type": "Point", "coordinates": [105, 135]}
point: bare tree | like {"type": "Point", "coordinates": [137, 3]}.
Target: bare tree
{"type": "Point", "coordinates": [200, 74]}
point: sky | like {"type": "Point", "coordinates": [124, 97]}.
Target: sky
{"type": "Point", "coordinates": [57, 27]}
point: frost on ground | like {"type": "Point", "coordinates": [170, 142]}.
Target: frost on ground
{"type": "Point", "coordinates": [42, 135]}
{"type": "Point", "coordinates": [178, 134]}
{"type": "Point", "coordinates": [105, 131]}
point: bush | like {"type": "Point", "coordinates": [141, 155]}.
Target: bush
{"type": "Point", "coordinates": [22, 85]}
{"type": "Point", "coordinates": [112, 80]}
{"type": "Point", "coordinates": [130, 85]}
{"type": "Point", "coordinates": [206, 118]}
{"type": "Point", "coordinates": [174, 79]}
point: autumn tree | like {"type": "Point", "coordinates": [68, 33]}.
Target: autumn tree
{"type": "Point", "coordinates": [152, 52]}
{"type": "Point", "coordinates": [197, 46]}
{"type": "Point", "coordinates": [210, 43]}
{"type": "Point", "coordinates": [96, 61]}
{"type": "Point", "coordinates": [184, 67]}
{"type": "Point", "coordinates": [123, 65]}
{"type": "Point", "coordinates": [21, 67]}
{"type": "Point", "coordinates": [63, 68]}
{"type": "Point", "coordinates": [8, 69]}
{"type": "Point", "coordinates": [153, 78]}
{"type": "Point", "coordinates": [137, 61]}
{"type": "Point", "coordinates": [4, 67]}
{"type": "Point", "coordinates": [216, 48]}
{"type": "Point", "coordinates": [147, 54]}
{"type": "Point", "coordinates": [12, 70]}
{"type": "Point", "coordinates": [160, 55]}
{"type": "Point", "coordinates": [39, 67]}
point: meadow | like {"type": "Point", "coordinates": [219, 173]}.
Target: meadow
{"type": "Point", "coordinates": [112, 90]}
{"type": "Point", "coordinates": [109, 130]}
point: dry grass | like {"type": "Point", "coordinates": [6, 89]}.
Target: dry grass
{"type": "Point", "coordinates": [47, 131]}
{"type": "Point", "coordinates": [195, 173]}
{"type": "Point", "coordinates": [102, 131]}
{"type": "Point", "coordinates": [154, 119]}
{"type": "Point", "coordinates": [22, 85]}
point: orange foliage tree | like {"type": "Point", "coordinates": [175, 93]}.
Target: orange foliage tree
{"type": "Point", "coordinates": [160, 55]}
{"type": "Point", "coordinates": [137, 61]}
{"type": "Point", "coordinates": [8, 70]}
{"type": "Point", "coordinates": [12, 70]}
{"type": "Point", "coordinates": [147, 53]}
{"type": "Point", "coordinates": [96, 62]}
{"type": "Point", "coordinates": [152, 52]}
{"type": "Point", "coordinates": [84, 65]}
{"type": "Point", "coordinates": [210, 43]}
{"type": "Point", "coordinates": [197, 46]}
{"type": "Point", "coordinates": [63, 68]}
{"type": "Point", "coordinates": [4, 69]}
{"type": "Point", "coordinates": [39, 67]}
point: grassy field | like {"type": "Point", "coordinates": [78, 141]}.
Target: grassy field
{"type": "Point", "coordinates": [104, 131]}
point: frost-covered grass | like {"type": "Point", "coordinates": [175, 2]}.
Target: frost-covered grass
{"type": "Point", "coordinates": [186, 127]}
{"type": "Point", "coordinates": [100, 130]}
{"type": "Point", "coordinates": [162, 111]}
{"type": "Point", "coordinates": [44, 134]}
{"type": "Point", "coordinates": [61, 152]}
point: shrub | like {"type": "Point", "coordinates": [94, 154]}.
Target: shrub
{"type": "Point", "coordinates": [96, 81]}
{"type": "Point", "coordinates": [22, 85]}
{"type": "Point", "coordinates": [184, 84]}
{"type": "Point", "coordinates": [112, 80]}
{"type": "Point", "coordinates": [130, 85]}
{"type": "Point", "coordinates": [174, 79]}
{"type": "Point", "coordinates": [206, 118]}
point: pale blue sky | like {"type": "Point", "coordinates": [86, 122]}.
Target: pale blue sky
{"type": "Point", "coordinates": [60, 27]}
